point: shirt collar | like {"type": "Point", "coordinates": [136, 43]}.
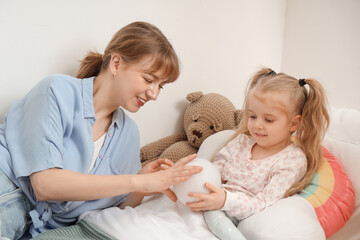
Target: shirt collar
{"type": "Point", "coordinates": [88, 84]}
{"type": "Point", "coordinates": [89, 111]}
{"type": "Point", "coordinates": [117, 117]}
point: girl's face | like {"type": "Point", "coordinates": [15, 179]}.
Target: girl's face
{"type": "Point", "coordinates": [269, 120]}
{"type": "Point", "coordinates": [135, 86]}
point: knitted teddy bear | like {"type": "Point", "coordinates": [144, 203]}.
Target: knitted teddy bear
{"type": "Point", "coordinates": [204, 116]}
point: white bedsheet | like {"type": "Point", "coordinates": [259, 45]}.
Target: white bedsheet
{"type": "Point", "coordinates": [156, 218]}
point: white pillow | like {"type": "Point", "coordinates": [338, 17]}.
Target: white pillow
{"type": "Point", "coordinates": [196, 183]}
{"type": "Point", "coordinates": [214, 143]}
{"type": "Point", "coordinates": [343, 141]}
{"type": "Point", "coordinates": [289, 218]}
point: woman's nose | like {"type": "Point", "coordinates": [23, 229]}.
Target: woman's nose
{"type": "Point", "coordinates": [153, 92]}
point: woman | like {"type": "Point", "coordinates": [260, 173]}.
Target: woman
{"type": "Point", "coordinates": [67, 147]}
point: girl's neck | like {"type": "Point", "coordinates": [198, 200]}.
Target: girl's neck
{"type": "Point", "coordinates": [259, 152]}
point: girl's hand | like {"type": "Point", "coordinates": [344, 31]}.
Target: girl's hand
{"type": "Point", "coordinates": [160, 176]}
{"type": "Point", "coordinates": [212, 201]}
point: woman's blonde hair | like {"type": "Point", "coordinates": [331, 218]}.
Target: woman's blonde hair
{"type": "Point", "coordinates": [310, 104]}
{"type": "Point", "coordinates": [133, 43]}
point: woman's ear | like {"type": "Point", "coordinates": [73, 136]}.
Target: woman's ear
{"type": "Point", "coordinates": [295, 123]}
{"type": "Point", "coordinates": [115, 61]}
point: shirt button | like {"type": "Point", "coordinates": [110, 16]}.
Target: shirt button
{"type": "Point", "coordinates": [101, 156]}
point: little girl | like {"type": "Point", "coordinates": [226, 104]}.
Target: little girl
{"type": "Point", "coordinates": [274, 153]}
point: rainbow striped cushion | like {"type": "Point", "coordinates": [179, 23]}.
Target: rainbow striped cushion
{"type": "Point", "coordinates": [331, 194]}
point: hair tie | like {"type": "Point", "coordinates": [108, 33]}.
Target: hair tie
{"type": "Point", "coordinates": [302, 82]}
{"type": "Point", "coordinates": [272, 72]}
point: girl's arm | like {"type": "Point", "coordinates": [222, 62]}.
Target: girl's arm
{"type": "Point", "coordinates": [64, 185]}
{"type": "Point", "coordinates": [223, 156]}
{"type": "Point", "coordinates": [243, 204]}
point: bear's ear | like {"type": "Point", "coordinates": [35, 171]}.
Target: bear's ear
{"type": "Point", "coordinates": [239, 114]}
{"type": "Point", "coordinates": [194, 96]}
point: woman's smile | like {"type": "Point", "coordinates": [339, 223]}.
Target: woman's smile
{"type": "Point", "coordinates": [140, 101]}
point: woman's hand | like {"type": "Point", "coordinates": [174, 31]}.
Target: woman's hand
{"type": "Point", "coordinates": [157, 165]}
{"type": "Point", "coordinates": [161, 174]}
{"type": "Point", "coordinates": [212, 201]}
{"type": "Point", "coordinates": [154, 166]}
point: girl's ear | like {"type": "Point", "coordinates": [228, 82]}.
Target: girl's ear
{"type": "Point", "coordinates": [295, 123]}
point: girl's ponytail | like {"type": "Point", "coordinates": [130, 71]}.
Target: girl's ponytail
{"type": "Point", "coordinates": [314, 123]}
{"type": "Point", "coordinates": [91, 65]}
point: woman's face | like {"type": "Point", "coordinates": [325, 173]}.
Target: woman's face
{"type": "Point", "coordinates": [135, 86]}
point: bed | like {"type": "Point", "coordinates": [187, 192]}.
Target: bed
{"type": "Point", "coordinates": [291, 218]}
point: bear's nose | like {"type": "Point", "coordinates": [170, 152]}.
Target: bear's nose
{"type": "Point", "coordinates": [197, 133]}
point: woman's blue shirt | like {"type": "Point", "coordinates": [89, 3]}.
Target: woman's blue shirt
{"type": "Point", "coordinates": [51, 127]}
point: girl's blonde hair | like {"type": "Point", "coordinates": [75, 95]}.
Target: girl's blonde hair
{"type": "Point", "coordinates": [310, 104]}
{"type": "Point", "coordinates": [133, 43]}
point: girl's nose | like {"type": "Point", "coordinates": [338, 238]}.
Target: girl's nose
{"type": "Point", "coordinates": [258, 124]}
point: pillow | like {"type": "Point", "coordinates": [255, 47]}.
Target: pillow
{"type": "Point", "coordinates": [331, 194]}
{"type": "Point", "coordinates": [288, 219]}
{"type": "Point", "coordinates": [343, 141]}
{"type": "Point", "coordinates": [196, 182]}
{"type": "Point", "coordinates": [212, 144]}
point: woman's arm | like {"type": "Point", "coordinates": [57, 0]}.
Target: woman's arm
{"type": "Point", "coordinates": [132, 200]}
{"type": "Point", "coordinates": [135, 198]}
{"type": "Point", "coordinates": [64, 185]}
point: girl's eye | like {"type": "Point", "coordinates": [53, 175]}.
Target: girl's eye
{"type": "Point", "coordinates": [252, 117]}
{"type": "Point", "coordinates": [161, 86]}
{"type": "Point", "coordinates": [147, 80]}
{"type": "Point", "coordinates": [269, 120]}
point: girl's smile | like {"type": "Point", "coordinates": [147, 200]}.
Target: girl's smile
{"type": "Point", "coordinates": [260, 135]}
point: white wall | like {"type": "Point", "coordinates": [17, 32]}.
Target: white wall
{"type": "Point", "coordinates": [322, 40]}
{"type": "Point", "coordinates": [220, 44]}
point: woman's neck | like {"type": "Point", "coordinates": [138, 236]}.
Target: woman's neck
{"type": "Point", "coordinates": [103, 106]}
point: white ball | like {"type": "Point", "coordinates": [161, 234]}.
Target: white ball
{"type": "Point", "coordinates": [196, 182]}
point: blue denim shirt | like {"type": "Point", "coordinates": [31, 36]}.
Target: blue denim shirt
{"type": "Point", "coordinates": [51, 127]}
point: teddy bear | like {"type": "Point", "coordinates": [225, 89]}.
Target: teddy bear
{"type": "Point", "coordinates": [205, 115]}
